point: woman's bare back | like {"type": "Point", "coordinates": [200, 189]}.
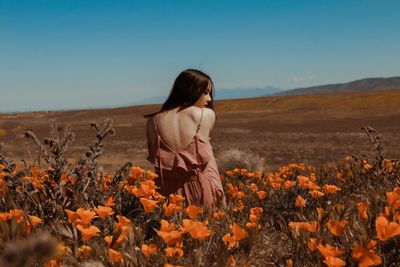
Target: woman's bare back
{"type": "Point", "coordinates": [177, 129]}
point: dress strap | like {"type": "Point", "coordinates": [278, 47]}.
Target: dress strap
{"type": "Point", "coordinates": [198, 126]}
{"type": "Point", "coordinates": [158, 150]}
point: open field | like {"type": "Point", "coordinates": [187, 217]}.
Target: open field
{"type": "Point", "coordinates": [313, 129]}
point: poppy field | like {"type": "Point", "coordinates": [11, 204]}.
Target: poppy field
{"type": "Point", "coordinates": [346, 213]}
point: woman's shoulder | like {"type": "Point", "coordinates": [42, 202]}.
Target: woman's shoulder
{"type": "Point", "coordinates": [203, 114]}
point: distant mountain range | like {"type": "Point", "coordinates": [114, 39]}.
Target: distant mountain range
{"type": "Point", "coordinates": [367, 84]}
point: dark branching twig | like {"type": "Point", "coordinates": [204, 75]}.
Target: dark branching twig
{"type": "Point", "coordinates": [56, 147]}
{"type": "Point", "coordinates": [9, 165]}
{"type": "Point", "coordinates": [375, 138]}
{"type": "Point", "coordinates": [89, 163]}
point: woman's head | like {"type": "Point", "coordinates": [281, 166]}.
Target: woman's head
{"type": "Point", "coordinates": [191, 87]}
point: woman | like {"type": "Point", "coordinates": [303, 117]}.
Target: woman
{"type": "Point", "coordinates": [178, 142]}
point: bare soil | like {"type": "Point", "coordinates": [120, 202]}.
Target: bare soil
{"type": "Point", "coordinates": [313, 129]}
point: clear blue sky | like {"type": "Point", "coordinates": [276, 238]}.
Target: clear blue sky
{"type": "Point", "coordinates": [65, 54]}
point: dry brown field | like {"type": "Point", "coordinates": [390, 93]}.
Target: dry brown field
{"type": "Point", "coordinates": [314, 129]}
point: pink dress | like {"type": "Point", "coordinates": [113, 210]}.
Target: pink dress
{"type": "Point", "coordinates": [191, 172]}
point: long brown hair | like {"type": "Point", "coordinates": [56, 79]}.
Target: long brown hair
{"type": "Point", "coordinates": [188, 87]}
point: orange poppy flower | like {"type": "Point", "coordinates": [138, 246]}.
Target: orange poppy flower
{"type": "Point", "coordinates": [170, 208]}
{"type": "Point", "coordinates": [253, 187]}
{"type": "Point", "coordinates": [115, 256]}
{"type": "Point", "coordinates": [372, 244]}
{"type": "Point", "coordinates": [288, 184]}
{"type": "Point", "coordinates": [151, 175]}
{"type": "Point", "coordinates": [148, 204]}
{"type": "Point", "coordinates": [300, 202]}
{"type": "Point", "coordinates": [331, 189]}
{"type": "Point", "coordinates": [218, 215]}
{"type": "Point", "coordinates": [312, 244]}
{"type": "Point", "coordinates": [34, 220]}
{"type": "Point", "coordinates": [88, 232]}
{"type": "Point", "coordinates": [167, 233]}
{"type": "Point", "coordinates": [337, 227]}
{"type": "Point", "coordinates": [171, 265]}
{"type": "Point", "coordinates": [149, 187]}
{"type": "Point", "coordinates": [123, 222]}
{"type": "Point", "coordinates": [197, 230]}
{"type": "Point", "coordinates": [309, 226]}
{"type": "Point", "coordinates": [138, 192]}
{"type": "Point", "coordinates": [171, 252]}
{"type": "Point", "coordinates": [4, 216]}
{"type": "Point", "coordinates": [364, 257]}
{"type": "Point", "coordinates": [231, 261]}
{"type": "Point", "coordinates": [84, 252]}
{"type": "Point", "coordinates": [230, 241]}
{"type": "Point", "coordinates": [362, 208]}
{"type": "Point", "coordinates": [393, 199]}
{"type": "Point", "coordinates": [316, 194]}
{"type": "Point", "coordinates": [193, 211]}
{"type": "Point", "coordinates": [261, 194]}
{"type": "Point", "coordinates": [117, 241]}
{"type": "Point", "coordinates": [329, 251]}
{"type": "Point", "coordinates": [238, 234]}
{"type": "Point", "coordinates": [176, 199]}
{"type": "Point", "coordinates": [85, 216]}
{"type": "Point", "coordinates": [137, 172]}
{"type": "Point", "coordinates": [110, 202]}
{"type": "Point", "coordinates": [289, 263]}
{"type": "Point", "coordinates": [147, 250]}
{"type": "Point", "coordinates": [385, 229]}
{"type": "Point", "coordinates": [103, 212]}
{"type": "Point", "coordinates": [253, 225]}
{"type": "Point", "coordinates": [334, 262]}
{"type": "Point", "coordinates": [17, 215]}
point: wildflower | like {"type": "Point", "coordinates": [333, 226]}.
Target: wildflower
{"type": "Point", "coordinates": [231, 261]}
{"type": "Point", "coordinates": [289, 263]}
{"type": "Point", "coordinates": [253, 187]}
{"type": "Point", "coordinates": [84, 252]}
{"type": "Point", "coordinates": [312, 244]}
{"type": "Point", "coordinates": [331, 189]}
{"type": "Point", "coordinates": [171, 252]}
{"type": "Point", "coordinates": [176, 199]}
{"type": "Point", "coordinates": [334, 262]}
{"type": "Point", "coordinates": [88, 232]}
{"type": "Point", "coordinates": [17, 215]}
{"type": "Point", "coordinates": [197, 230]}
{"type": "Point", "coordinates": [151, 175]}
{"type": "Point", "coordinates": [316, 194]}
{"type": "Point", "coordinates": [309, 226]}
{"type": "Point", "coordinates": [385, 229]}
{"type": "Point", "coordinates": [169, 235]}
{"type": "Point", "coordinates": [193, 211]}
{"type": "Point", "coordinates": [110, 202]}
{"type": "Point", "coordinates": [337, 227]}
{"type": "Point", "coordinates": [365, 257]}
{"type": "Point", "coordinates": [148, 204]}
{"type": "Point", "coordinates": [113, 241]}
{"type": "Point", "coordinates": [300, 202]}
{"type": "Point", "coordinates": [85, 216]}
{"type": "Point", "coordinates": [238, 234]}
{"type": "Point", "coordinates": [362, 208]}
{"type": "Point", "coordinates": [147, 250]}
{"type": "Point", "coordinates": [115, 256]}
{"type": "Point", "coordinates": [170, 208]}
{"type": "Point", "coordinates": [329, 251]}
{"type": "Point", "coordinates": [393, 199]}
{"type": "Point", "coordinates": [261, 194]}
{"type": "Point", "coordinates": [103, 212]}
{"type": "Point", "coordinates": [288, 184]}
{"type": "Point", "coordinates": [218, 215]}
